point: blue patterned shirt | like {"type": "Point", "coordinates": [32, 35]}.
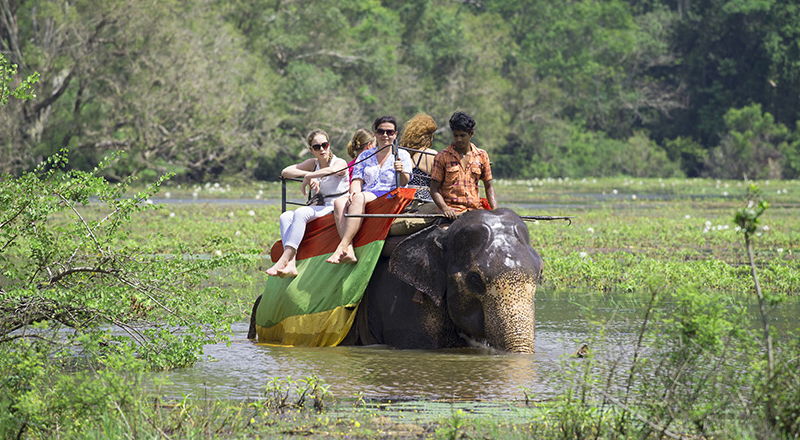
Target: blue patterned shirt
{"type": "Point", "coordinates": [377, 178]}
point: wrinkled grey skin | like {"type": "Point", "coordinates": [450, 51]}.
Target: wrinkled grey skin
{"type": "Point", "coordinates": [472, 284]}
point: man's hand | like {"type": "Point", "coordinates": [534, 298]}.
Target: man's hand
{"type": "Point", "coordinates": [450, 213]}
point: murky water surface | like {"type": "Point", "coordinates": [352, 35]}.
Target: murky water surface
{"type": "Point", "coordinates": [378, 372]}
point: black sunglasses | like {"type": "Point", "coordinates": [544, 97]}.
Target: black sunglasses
{"type": "Point", "coordinates": [318, 147]}
{"type": "Point", "coordinates": [389, 132]}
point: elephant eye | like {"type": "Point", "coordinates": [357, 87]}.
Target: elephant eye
{"type": "Point", "coordinates": [475, 283]}
{"type": "Point", "coordinates": [522, 233]}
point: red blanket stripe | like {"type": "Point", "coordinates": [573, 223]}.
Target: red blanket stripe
{"type": "Point", "coordinates": [321, 236]}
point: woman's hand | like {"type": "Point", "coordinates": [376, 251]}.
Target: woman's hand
{"type": "Point", "coordinates": [312, 183]}
{"type": "Point", "coordinates": [351, 195]}
{"type": "Point", "coordinates": [398, 165]}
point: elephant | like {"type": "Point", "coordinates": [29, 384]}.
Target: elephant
{"type": "Point", "coordinates": [470, 284]}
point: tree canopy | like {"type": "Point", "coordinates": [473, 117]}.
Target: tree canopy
{"type": "Point", "coordinates": [208, 89]}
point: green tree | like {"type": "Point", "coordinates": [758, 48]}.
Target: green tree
{"type": "Point", "coordinates": [751, 146]}
{"type": "Point", "coordinates": [733, 54]}
{"type": "Point", "coordinates": [82, 301]}
{"type": "Point", "coordinates": [22, 91]}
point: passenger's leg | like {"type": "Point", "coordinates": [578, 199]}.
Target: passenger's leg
{"type": "Point", "coordinates": [286, 220]}
{"type": "Point", "coordinates": [345, 253]}
{"type": "Point", "coordinates": [286, 265]}
{"type": "Point", "coordinates": [340, 206]}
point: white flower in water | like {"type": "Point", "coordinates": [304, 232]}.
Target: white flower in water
{"type": "Point", "coordinates": [251, 213]}
{"type": "Point", "coordinates": [726, 226]}
{"type": "Point", "coordinates": [148, 202]}
{"type": "Point", "coordinates": [613, 191]}
{"type": "Point", "coordinates": [258, 196]}
{"type": "Point", "coordinates": [530, 189]}
{"type": "Point", "coordinates": [216, 185]}
{"type": "Point", "coordinates": [218, 252]}
{"type": "Point", "coordinates": [582, 254]}
{"type": "Point", "coordinates": [663, 185]}
{"type": "Point", "coordinates": [172, 214]}
{"type": "Point", "coordinates": [633, 196]}
{"type": "Point", "coordinates": [230, 214]}
{"type": "Point", "coordinates": [687, 216]}
{"type": "Point", "coordinates": [168, 195]}
{"type": "Point", "coordinates": [725, 193]}
{"type": "Point", "coordinates": [780, 250]}
{"type": "Point", "coordinates": [765, 228]}
{"type": "Point", "coordinates": [708, 223]}
{"type": "Point", "coordinates": [590, 230]}
{"type": "Point", "coordinates": [194, 195]}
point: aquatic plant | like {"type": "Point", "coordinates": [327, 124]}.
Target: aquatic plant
{"type": "Point", "coordinates": [289, 393]}
{"type": "Point", "coordinates": [698, 369]}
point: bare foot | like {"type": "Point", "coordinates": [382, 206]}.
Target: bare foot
{"type": "Point", "coordinates": [334, 258]}
{"type": "Point", "coordinates": [289, 270]}
{"type": "Point", "coordinates": [348, 257]}
{"type": "Point", "coordinates": [276, 269]}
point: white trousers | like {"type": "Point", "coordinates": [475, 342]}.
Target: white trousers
{"type": "Point", "coordinates": [293, 223]}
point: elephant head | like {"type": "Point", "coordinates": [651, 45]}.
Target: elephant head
{"type": "Point", "coordinates": [482, 270]}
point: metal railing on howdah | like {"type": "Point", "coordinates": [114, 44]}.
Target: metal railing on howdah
{"type": "Point", "coordinates": [285, 202]}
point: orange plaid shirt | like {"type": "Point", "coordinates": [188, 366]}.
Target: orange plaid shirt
{"type": "Point", "coordinates": [459, 186]}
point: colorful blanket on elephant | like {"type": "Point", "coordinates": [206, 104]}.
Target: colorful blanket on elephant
{"type": "Point", "coordinates": [317, 308]}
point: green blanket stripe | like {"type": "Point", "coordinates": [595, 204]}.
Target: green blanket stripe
{"type": "Point", "coordinates": [320, 286]}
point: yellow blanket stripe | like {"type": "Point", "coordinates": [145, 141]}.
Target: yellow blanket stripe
{"type": "Point", "coordinates": [327, 329]}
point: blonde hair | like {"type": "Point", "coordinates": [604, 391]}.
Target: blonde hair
{"type": "Point", "coordinates": [360, 140]}
{"type": "Point", "coordinates": [313, 133]}
{"type": "Point", "coordinates": [418, 132]}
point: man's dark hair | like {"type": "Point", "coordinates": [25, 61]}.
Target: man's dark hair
{"type": "Point", "coordinates": [381, 120]}
{"type": "Point", "coordinates": [461, 121]}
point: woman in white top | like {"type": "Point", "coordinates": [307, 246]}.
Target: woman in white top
{"type": "Point", "coordinates": [325, 174]}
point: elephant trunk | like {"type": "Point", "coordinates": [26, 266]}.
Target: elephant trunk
{"type": "Point", "coordinates": [510, 316]}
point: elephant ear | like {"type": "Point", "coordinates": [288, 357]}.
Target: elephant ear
{"type": "Point", "coordinates": [418, 261]}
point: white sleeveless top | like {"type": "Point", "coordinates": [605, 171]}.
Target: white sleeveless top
{"type": "Point", "coordinates": [333, 184]}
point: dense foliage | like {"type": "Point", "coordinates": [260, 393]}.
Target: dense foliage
{"type": "Point", "coordinates": [209, 88]}
{"type": "Point", "coordinates": [84, 306]}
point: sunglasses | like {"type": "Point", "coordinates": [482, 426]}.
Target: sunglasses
{"type": "Point", "coordinates": [322, 146]}
{"type": "Point", "coordinates": [382, 132]}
